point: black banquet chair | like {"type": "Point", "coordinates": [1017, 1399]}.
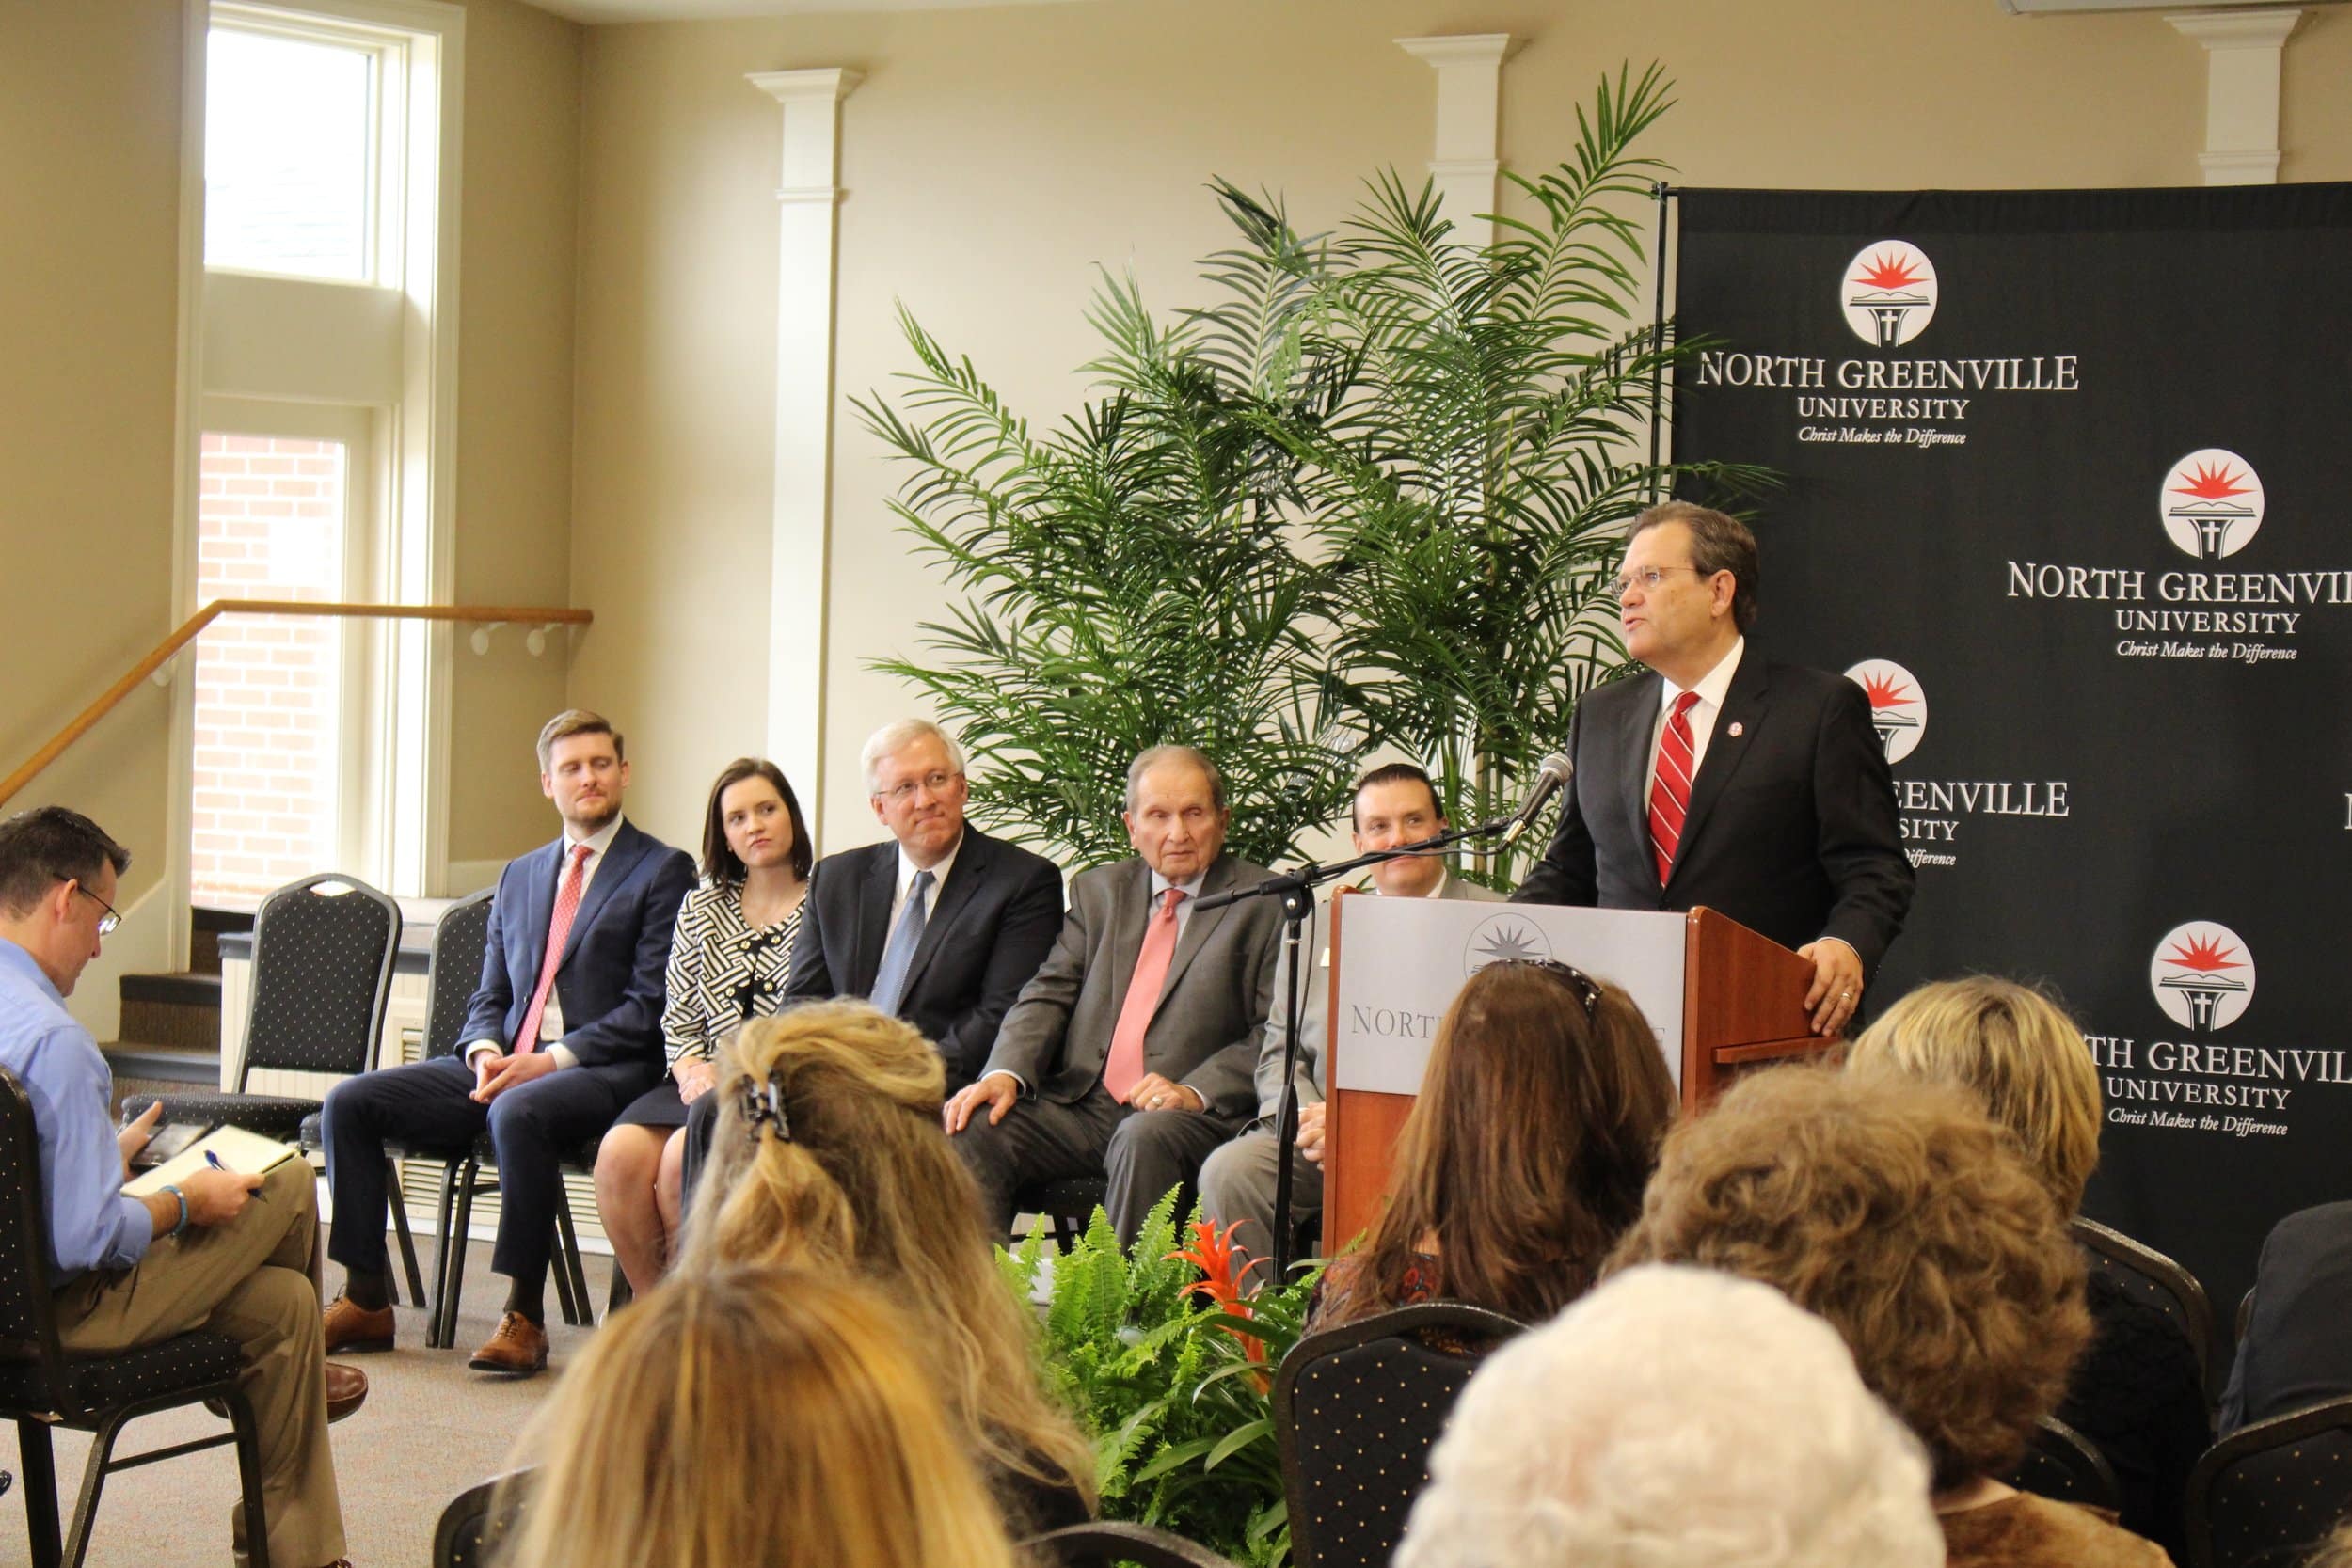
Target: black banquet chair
{"type": "Point", "coordinates": [1104, 1542]}
{"type": "Point", "coordinates": [479, 1518]}
{"type": "Point", "coordinates": [322, 977]}
{"type": "Point", "coordinates": [2062, 1465]}
{"type": "Point", "coordinates": [2268, 1493]}
{"type": "Point", "coordinates": [2149, 1275]}
{"type": "Point", "coordinates": [41, 1386]}
{"type": "Point", "coordinates": [1356, 1409]}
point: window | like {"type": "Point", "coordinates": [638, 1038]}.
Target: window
{"type": "Point", "coordinates": [327, 356]}
{"type": "Point", "coordinates": [272, 524]}
{"type": "Point", "coordinates": [288, 155]}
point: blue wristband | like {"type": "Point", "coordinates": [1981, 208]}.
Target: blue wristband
{"type": "Point", "coordinates": [183, 1210]}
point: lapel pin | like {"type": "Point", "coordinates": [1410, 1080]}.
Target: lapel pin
{"type": "Point", "coordinates": [1737, 728]}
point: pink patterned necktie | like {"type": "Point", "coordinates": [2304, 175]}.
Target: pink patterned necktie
{"type": "Point", "coordinates": [1670, 795]}
{"type": "Point", "coordinates": [559, 932]}
{"type": "Point", "coordinates": [1123, 1067]}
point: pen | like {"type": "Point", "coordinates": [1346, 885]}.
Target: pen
{"type": "Point", "coordinates": [214, 1159]}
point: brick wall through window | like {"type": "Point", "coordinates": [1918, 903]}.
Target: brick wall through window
{"type": "Point", "coordinates": [270, 526]}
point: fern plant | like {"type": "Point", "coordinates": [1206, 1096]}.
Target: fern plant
{"type": "Point", "coordinates": [1172, 1370]}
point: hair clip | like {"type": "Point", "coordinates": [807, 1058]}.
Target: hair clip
{"type": "Point", "coordinates": [767, 1107]}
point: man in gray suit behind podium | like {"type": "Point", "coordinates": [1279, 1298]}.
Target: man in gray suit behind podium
{"type": "Point", "coordinates": [1394, 805]}
{"type": "Point", "coordinates": [1129, 1055]}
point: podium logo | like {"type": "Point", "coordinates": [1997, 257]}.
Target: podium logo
{"type": "Point", "coordinates": [1499, 938]}
{"type": "Point", "coordinates": [1898, 705]}
{"type": "Point", "coordinates": [2202, 976]}
{"type": "Point", "coordinates": [1888, 291]}
{"type": "Point", "coordinates": [2212, 503]}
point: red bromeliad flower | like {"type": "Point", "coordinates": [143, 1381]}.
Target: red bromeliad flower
{"type": "Point", "coordinates": [1212, 1253]}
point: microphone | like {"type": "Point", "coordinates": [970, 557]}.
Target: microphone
{"type": "Point", "coordinates": [1552, 776]}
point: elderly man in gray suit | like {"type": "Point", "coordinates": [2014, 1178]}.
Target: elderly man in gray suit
{"type": "Point", "coordinates": [1129, 1053]}
{"type": "Point", "coordinates": [1394, 805]}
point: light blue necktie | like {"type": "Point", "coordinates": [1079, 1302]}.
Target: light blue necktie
{"type": "Point", "coordinates": [890, 981]}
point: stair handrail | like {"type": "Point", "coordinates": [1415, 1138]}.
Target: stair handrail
{"type": "Point", "coordinates": [164, 652]}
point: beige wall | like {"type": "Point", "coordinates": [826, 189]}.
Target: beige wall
{"type": "Point", "coordinates": [90, 340]}
{"type": "Point", "coordinates": [519, 238]}
{"type": "Point", "coordinates": [991, 158]}
{"type": "Point", "coordinates": [90, 143]}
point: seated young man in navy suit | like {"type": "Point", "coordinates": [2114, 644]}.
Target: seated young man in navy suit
{"type": "Point", "coordinates": [564, 1032]}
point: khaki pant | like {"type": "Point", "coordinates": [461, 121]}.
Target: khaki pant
{"type": "Point", "coordinates": [256, 1281]}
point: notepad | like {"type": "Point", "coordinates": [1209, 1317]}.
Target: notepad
{"type": "Point", "coordinates": [249, 1153]}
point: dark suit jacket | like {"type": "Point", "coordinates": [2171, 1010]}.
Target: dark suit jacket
{"type": "Point", "coordinates": [1211, 1010]}
{"type": "Point", "coordinates": [610, 984]}
{"type": "Point", "coordinates": [991, 923]}
{"type": "Point", "coordinates": [2295, 1353]}
{"type": "Point", "coordinates": [1793, 829]}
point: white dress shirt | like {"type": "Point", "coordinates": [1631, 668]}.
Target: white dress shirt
{"type": "Point", "coordinates": [907, 871]}
{"type": "Point", "coordinates": [551, 1016]}
{"type": "Point", "coordinates": [1712, 689]}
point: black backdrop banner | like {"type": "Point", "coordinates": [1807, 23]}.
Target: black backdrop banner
{"type": "Point", "coordinates": [2066, 481]}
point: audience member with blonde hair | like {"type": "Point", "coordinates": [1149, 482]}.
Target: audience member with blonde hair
{"type": "Point", "coordinates": [1538, 1120]}
{"type": "Point", "coordinates": [2138, 1392]}
{"type": "Point", "coordinates": [1896, 1211]}
{"type": "Point", "coordinates": [827, 1155]}
{"type": "Point", "coordinates": [754, 1416]}
{"type": "Point", "coordinates": [1673, 1419]}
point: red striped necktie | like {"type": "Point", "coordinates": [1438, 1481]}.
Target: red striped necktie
{"type": "Point", "coordinates": [1670, 794]}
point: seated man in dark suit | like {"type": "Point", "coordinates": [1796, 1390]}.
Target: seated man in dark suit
{"type": "Point", "coordinates": [2295, 1354]}
{"type": "Point", "coordinates": [949, 961]}
{"type": "Point", "coordinates": [1722, 777]}
{"type": "Point", "coordinates": [564, 1032]}
{"type": "Point", "coordinates": [1131, 1052]}
{"type": "Point", "coordinates": [1394, 805]}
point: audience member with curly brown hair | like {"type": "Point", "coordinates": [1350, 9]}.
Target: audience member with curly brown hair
{"type": "Point", "coordinates": [2138, 1392]}
{"type": "Point", "coordinates": [1896, 1211]}
{"type": "Point", "coordinates": [827, 1155]}
{"type": "Point", "coordinates": [753, 1415]}
{"type": "Point", "coordinates": [1538, 1120]}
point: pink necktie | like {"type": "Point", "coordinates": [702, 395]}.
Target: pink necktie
{"type": "Point", "coordinates": [559, 932]}
{"type": "Point", "coordinates": [1123, 1067]}
{"type": "Point", "coordinates": [1670, 795]}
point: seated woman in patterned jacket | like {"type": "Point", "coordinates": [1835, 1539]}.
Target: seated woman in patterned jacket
{"type": "Point", "coordinates": [733, 950]}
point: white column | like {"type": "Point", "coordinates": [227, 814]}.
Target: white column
{"type": "Point", "coordinates": [2242, 50]}
{"type": "Point", "coordinates": [801, 533]}
{"type": "Point", "coordinates": [1470, 114]}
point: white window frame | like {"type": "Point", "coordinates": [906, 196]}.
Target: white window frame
{"type": "Point", "coordinates": [411, 487]}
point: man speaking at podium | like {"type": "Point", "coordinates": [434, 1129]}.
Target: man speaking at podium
{"type": "Point", "coordinates": [1757, 789]}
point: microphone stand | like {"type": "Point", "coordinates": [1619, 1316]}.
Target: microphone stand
{"type": "Point", "coordinates": [1295, 889]}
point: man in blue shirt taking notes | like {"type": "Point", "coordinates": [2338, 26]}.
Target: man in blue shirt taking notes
{"type": "Point", "coordinates": [237, 1255]}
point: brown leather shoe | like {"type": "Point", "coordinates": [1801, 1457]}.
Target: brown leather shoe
{"type": "Point", "coordinates": [346, 1391]}
{"type": "Point", "coordinates": [519, 1349]}
{"type": "Point", "coordinates": [353, 1327]}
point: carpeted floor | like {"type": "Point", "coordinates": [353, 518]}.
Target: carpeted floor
{"type": "Point", "coordinates": [430, 1428]}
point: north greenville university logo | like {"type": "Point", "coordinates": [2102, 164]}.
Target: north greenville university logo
{"type": "Point", "coordinates": [1898, 704]}
{"type": "Point", "coordinates": [1500, 938]}
{"type": "Point", "coordinates": [1888, 291]}
{"type": "Point", "coordinates": [2212, 503]}
{"type": "Point", "coordinates": [2202, 976]}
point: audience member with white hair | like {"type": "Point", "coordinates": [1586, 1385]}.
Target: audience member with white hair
{"type": "Point", "coordinates": [1675, 1415]}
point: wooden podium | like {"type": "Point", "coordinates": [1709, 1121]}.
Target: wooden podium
{"type": "Point", "coordinates": [1723, 997]}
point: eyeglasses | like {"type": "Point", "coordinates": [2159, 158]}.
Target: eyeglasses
{"type": "Point", "coordinates": [1587, 990]}
{"type": "Point", "coordinates": [764, 1107]}
{"type": "Point", "coordinates": [1645, 576]}
{"type": "Point", "coordinates": [107, 922]}
{"type": "Point", "coordinates": [936, 781]}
